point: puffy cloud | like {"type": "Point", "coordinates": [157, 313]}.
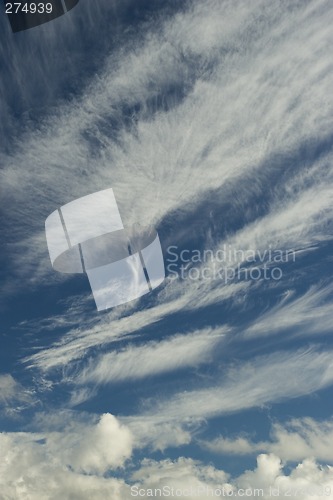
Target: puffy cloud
{"type": "Point", "coordinates": [188, 478]}
{"type": "Point", "coordinates": [67, 464]}
{"type": "Point", "coordinates": [307, 480]}
{"type": "Point", "coordinates": [79, 462]}
{"type": "Point", "coordinates": [105, 446]}
{"type": "Point", "coordinates": [182, 475]}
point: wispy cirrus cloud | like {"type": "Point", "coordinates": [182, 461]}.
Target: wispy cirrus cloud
{"type": "Point", "coordinates": [214, 126]}
{"type": "Point", "coordinates": [13, 396]}
{"type": "Point", "coordinates": [264, 380]}
{"type": "Point", "coordinates": [310, 313]}
{"type": "Point", "coordinates": [238, 82]}
{"type": "Point", "coordinates": [152, 358]}
{"type": "Point", "coordinates": [294, 440]}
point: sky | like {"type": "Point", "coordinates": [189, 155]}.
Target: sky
{"type": "Point", "coordinates": [211, 120]}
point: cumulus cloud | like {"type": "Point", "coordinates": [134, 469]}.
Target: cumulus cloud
{"type": "Point", "coordinates": [180, 475]}
{"type": "Point", "coordinates": [70, 462]}
{"type": "Point", "coordinates": [80, 462]}
{"type": "Point", "coordinates": [193, 480]}
{"type": "Point", "coordinates": [105, 446]}
{"type": "Point", "coordinates": [307, 480]}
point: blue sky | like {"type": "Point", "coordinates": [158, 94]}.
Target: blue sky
{"type": "Point", "coordinates": [212, 121]}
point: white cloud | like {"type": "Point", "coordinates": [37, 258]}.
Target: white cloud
{"type": "Point", "coordinates": [296, 440]}
{"type": "Point", "coordinates": [152, 358]}
{"type": "Point", "coordinates": [115, 326]}
{"type": "Point", "coordinates": [181, 474]}
{"type": "Point", "coordinates": [307, 480]}
{"type": "Point", "coordinates": [8, 388]}
{"type": "Point", "coordinates": [158, 434]}
{"type": "Point", "coordinates": [248, 111]}
{"type": "Point", "coordinates": [188, 478]}
{"type": "Point", "coordinates": [79, 462]}
{"type": "Point", "coordinates": [105, 446]}
{"type": "Point", "coordinates": [307, 314]}
{"type": "Point", "coordinates": [257, 76]}
{"type": "Point", "coordinates": [65, 464]}
{"type": "Point", "coordinates": [13, 396]}
{"type": "Point", "coordinates": [247, 73]}
{"type": "Point", "coordinates": [284, 228]}
{"type": "Point", "coordinates": [265, 379]}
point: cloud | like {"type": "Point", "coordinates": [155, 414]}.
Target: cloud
{"type": "Point", "coordinates": [81, 459]}
{"type": "Point", "coordinates": [307, 480]}
{"type": "Point", "coordinates": [246, 128]}
{"type": "Point", "coordinates": [265, 379]}
{"type": "Point", "coordinates": [217, 115]}
{"type": "Point", "coordinates": [310, 313]}
{"type": "Point", "coordinates": [13, 396]}
{"type": "Point", "coordinates": [105, 446]}
{"type": "Point", "coordinates": [285, 227]}
{"type": "Point", "coordinates": [122, 323]}
{"type": "Point", "coordinates": [159, 434]}
{"type": "Point", "coordinates": [67, 463]}
{"type": "Point", "coordinates": [239, 76]}
{"type": "Point", "coordinates": [152, 358]}
{"type": "Point", "coordinates": [296, 440]}
{"type": "Point", "coordinates": [190, 479]}
{"type": "Point", "coordinates": [182, 474]}
{"type": "Point", "coordinates": [8, 387]}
